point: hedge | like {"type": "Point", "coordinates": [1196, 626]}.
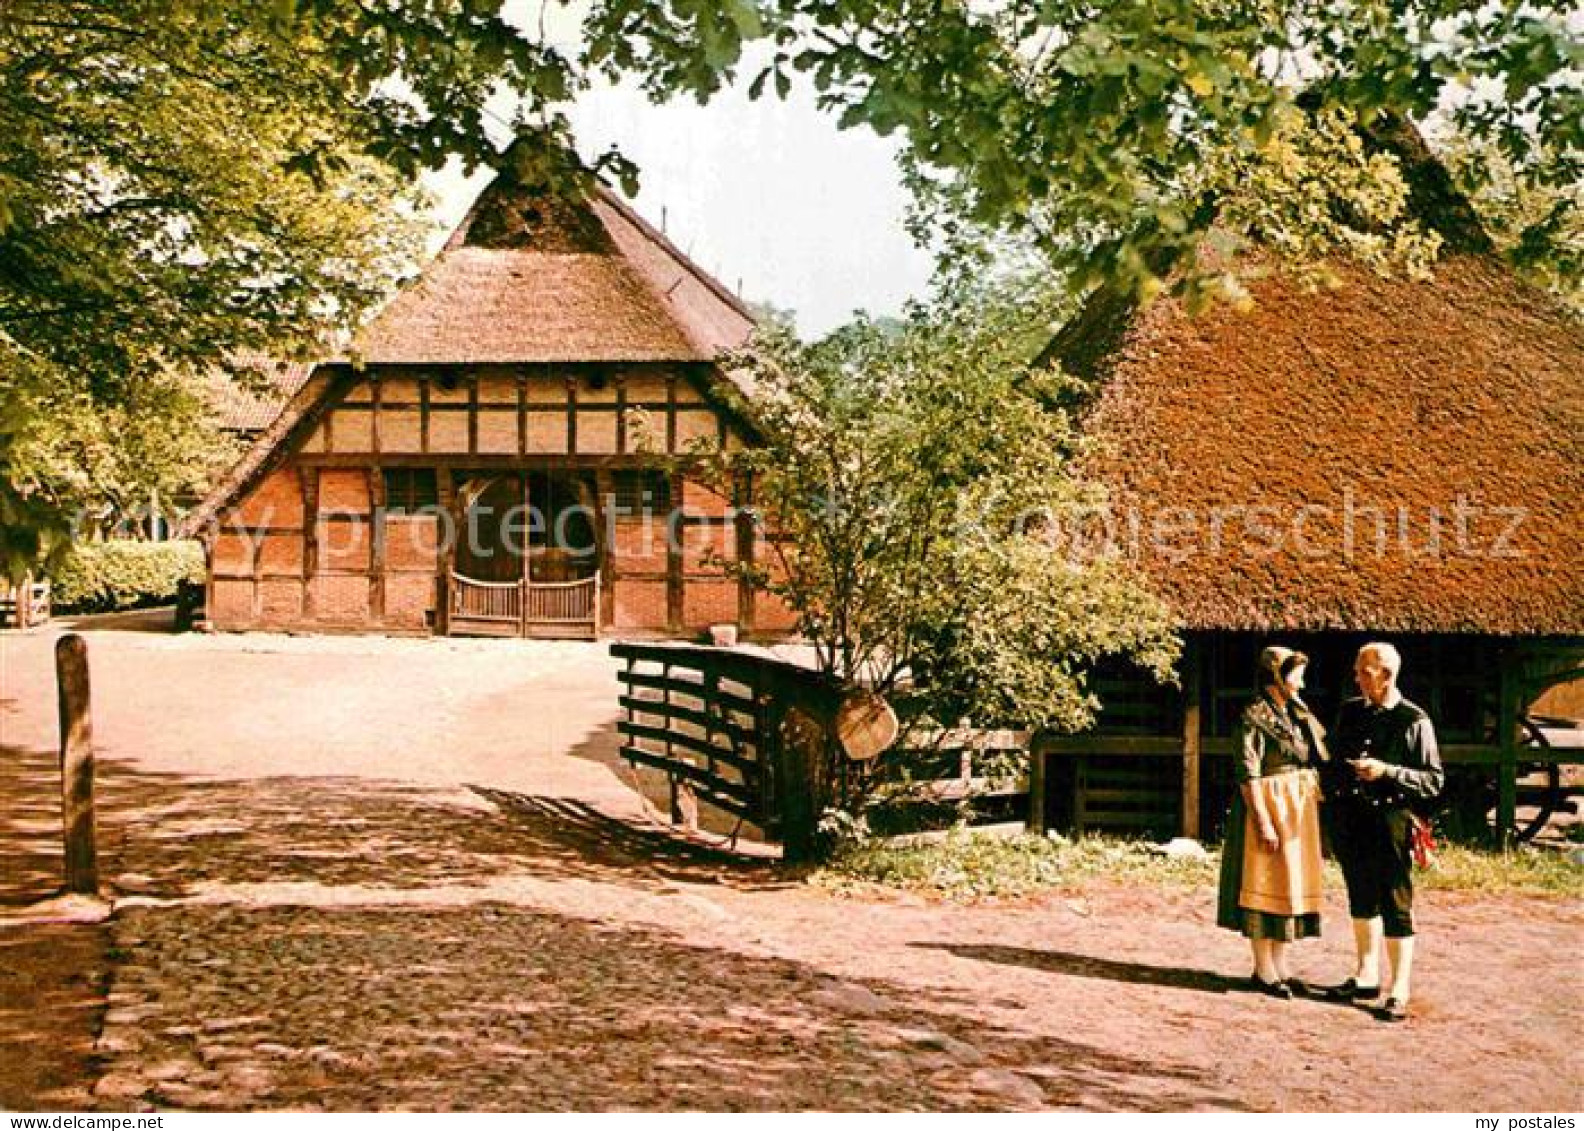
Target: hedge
{"type": "Point", "coordinates": [101, 577]}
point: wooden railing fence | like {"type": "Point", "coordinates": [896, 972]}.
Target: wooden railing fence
{"type": "Point", "coordinates": [748, 734]}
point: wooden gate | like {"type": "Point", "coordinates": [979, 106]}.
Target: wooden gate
{"type": "Point", "coordinates": [547, 609]}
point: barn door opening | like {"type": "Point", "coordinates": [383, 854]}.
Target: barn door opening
{"type": "Point", "coordinates": [527, 556]}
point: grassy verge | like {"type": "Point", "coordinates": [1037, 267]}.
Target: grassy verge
{"type": "Point", "coordinates": [967, 866]}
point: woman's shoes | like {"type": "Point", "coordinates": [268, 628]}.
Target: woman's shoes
{"type": "Point", "coordinates": [1276, 989]}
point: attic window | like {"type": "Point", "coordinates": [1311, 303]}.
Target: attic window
{"type": "Point", "coordinates": [410, 490]}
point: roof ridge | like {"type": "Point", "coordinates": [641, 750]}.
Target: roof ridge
{"type": "Point", "coordinates": [632, 216]}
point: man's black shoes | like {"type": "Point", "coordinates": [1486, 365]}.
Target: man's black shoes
{"type": "Point", "coordinates": [1277, 989]}
{"type": "Point", "coordinates": [1350, 990]}
{"type": "Point", "coordinates": [1393, 1009]}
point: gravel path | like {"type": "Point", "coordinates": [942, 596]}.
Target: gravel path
{"type": "Point", "coordinates": [410, 874]}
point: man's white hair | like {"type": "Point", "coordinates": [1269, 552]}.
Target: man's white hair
{"type": "Point", "coordinates": [1388, 656]}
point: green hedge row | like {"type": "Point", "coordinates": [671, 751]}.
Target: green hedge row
{"type": "Point", "coordinates": [101, 577]}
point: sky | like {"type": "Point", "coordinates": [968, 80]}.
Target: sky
{"type": "Point", "coordinates": [768, 196]}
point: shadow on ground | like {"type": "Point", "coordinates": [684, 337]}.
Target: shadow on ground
{"type": "Point", "coordinates": [492, 1007]}
{"type": "Point", "coordinates": [414, 987]}
{"type": "Point", "coordinates": [1086, 966]}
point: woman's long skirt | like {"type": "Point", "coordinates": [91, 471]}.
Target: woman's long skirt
{"type": "Point", "coordinates": [1273, 895]}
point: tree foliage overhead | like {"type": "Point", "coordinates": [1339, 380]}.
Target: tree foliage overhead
{"type": "Point", "coordinates": [1089, 123]}
{"type": "Point", "coordinates": [186, 181]}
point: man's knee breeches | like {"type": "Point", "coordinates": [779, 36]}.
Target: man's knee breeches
{"type": "Point", "coordinates": [1373, 848]}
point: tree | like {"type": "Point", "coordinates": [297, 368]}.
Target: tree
{"type": "Point", "coordinates": [185, 181]}
{"type": "Point", "coordinates": [1086, 123]}
{"type": "Point", "coordinates": [908, 484]}
{"type": "Point", "coordinates": [1538, 226]}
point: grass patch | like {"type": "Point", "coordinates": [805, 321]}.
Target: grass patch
{"type": "Point", "coordinates": [1523, 871]}
{"type": "Point", "coordinates": [966, 866]}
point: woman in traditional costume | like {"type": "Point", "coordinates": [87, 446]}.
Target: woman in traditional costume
{"type": "Point", "coordinates": [1270, 862]}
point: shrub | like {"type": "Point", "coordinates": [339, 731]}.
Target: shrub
{"type": "Point", "coordinates": [100, 577]}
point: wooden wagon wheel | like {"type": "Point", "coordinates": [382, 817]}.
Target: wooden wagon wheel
{"type": "Point", "coordinates": [1545, 796]}
{"type": "Point", "coordinates": [1475, 793]}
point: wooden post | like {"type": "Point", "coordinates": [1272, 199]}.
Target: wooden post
{"type": "Point", "coordinates": [77, 765]}
{"type": "Point", "coordinates": [795, 787]}
{"type": "Point", "coordinates": [1192, 737]}
{"type": "Point", "coordinates": [1507, 795]}
{"type": "Point", "coordinates": [1035, 821]}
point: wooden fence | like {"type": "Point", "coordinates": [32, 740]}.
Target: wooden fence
{"type": "Point", "coordinates": [24, 605]}
{"type": "Point", "coordinates": [749, 734]}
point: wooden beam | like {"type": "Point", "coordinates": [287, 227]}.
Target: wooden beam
{"type": "Point", "coordinates": [747, 548]}
{"type": "Point", "coordinates": [423, 415]}
{"type": "Point", "coordinates": [445, 490]}
{"type": "Point", "coordinates": [1193, 664]}
{"type": "Point", "coordinates": [374, 414]}
{"type": "Point", "coordinates": [1034, 822]}
{"type": "Point", "coordinates": [522, 413]}
{"type": "Point", "coordinates": [571, 415]}
{"type": "Point", "coordinates": [473, 415]}
{"type": "Point", "coordinates": [673, 537]}
{"type": "Point", "coordinates": [671, 414]}
{"type": "Point", "coordinates": [310, 534]}
{"type": "Point", "coordinates": [603, 494]}
{"type": "Point", "coordinates": [621, 414]}
{"type": "Point", "coordinates": [377, 500]}
{"type": "Point", "coordinates": [1507, 722]}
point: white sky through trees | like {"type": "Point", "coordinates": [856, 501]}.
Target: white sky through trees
{"type": "Point", "coordinates": [768, 196]}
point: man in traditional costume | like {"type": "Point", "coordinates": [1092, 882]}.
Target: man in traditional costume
{"type": "Point", "coordinates": [1386, 763]}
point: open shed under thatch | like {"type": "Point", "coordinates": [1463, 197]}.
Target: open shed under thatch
{"type": "Point", "coordinates": [1388, 458]}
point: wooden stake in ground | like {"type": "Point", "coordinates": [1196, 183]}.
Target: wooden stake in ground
{"type": "Point", "coordinates": [77, 765]}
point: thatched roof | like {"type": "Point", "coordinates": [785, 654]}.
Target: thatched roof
{"type": "Point", "coordinates": [1454, 404]}
{"type": "Point", "coordinates": [249, 409]}
{"type": "Point", "coordinates": [526, 278]}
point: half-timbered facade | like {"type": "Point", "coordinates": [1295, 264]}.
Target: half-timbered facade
{"type": "Point", "coordinates": [504, 452]}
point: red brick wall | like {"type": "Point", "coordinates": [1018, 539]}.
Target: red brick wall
{"type": "Point", "coordinates": [640, 604]}
{"type": "Point", "coordinates": [281, 553]}
{"type": "Point", "coordinates": [341, 598]}
{"type": "Point", "coordinates": [709, 601]}
{"type": "Point", "coordinates": [345, 545]}
{"type": "Point", "coordinates": [277, 501]}
{"type": "Point", "coordinates": [232, 603]}
{"type": "Point", "coordinates": [409, 598]}
{"type": "Point", "coordinates": [639, 547]}
{"type": "Point", "coordinates": [280, 601]}
{"type": "Point", "coordinates": [412, 543]}
{"type": "Point", "coordinates": [233, 554]}
{"type": "Point", "coordinates": [344, 492]}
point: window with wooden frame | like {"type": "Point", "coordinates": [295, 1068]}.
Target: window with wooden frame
{"type": "Point", "coordinates": [636, 492]}
{"type": "Point", "coordinates": [411, 490]}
